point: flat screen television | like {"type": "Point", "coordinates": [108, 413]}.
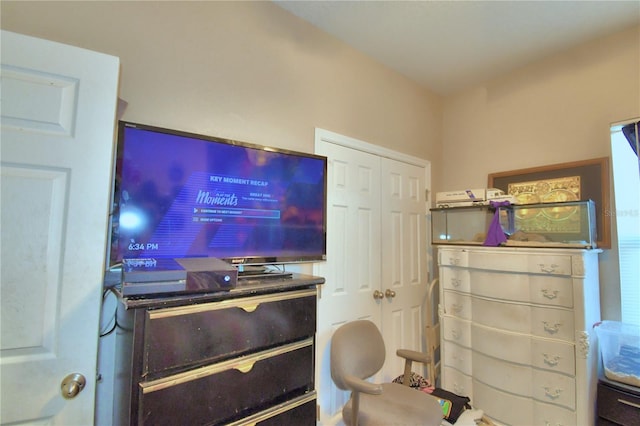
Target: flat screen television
{"type": "Point", "coordinates": [179, 195]}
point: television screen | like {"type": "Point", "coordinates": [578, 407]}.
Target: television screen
{"type": "Point", "coordinates": [180, 195]}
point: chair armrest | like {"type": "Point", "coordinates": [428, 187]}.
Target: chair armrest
{"type": "Point", "coordinates": [413, 355]}
{"type": "Point", "coordinates": [410, 356]}
{"type": "Point", "coordinates": [358, 385]}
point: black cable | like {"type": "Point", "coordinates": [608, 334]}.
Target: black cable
{"type": "Point", "coordinates": [105, 332]}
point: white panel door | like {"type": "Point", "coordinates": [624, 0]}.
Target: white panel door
{"type": "Point", "coordinates": [404, 261]}
{"type": "Point", "coordinates": [352, 268]}
{"type": "Point", "coordinates": [58, 115]}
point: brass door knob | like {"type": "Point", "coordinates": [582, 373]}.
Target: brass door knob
{"type": "Point", "coordinates": [378, 295]}
{"type": "Point", "coordinates": [390, 293]}
{"type": "Point", "coordinates": [72, 385]}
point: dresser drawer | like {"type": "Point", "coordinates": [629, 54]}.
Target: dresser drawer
{"type": "Point", "coordinates": [457, 357]}
{"type": "Point", "coordinates": [229, 390]}
{"type": "Point", "coordinates": [618, 406]}
{"type": "Point", "coordinates": [502, 406]}
{"type": "Point", "coordinates": [545, 290]}
{"type": "Point", "coordinates": [506, 376]}
{"type": "Point", "coordinates": [194, 334]}
{"type": "Point", "coordinates": [547, 414]}
{"type": "Point", "coordinates": [456, 330]}
{"type": "Point", "coordinates": [455, 279]}
{"type": "Point", "coordinates": [549, 322]}
{"type": "Point", "coordinates": [553, 356]}
{"type": "Point", "coordinates": [457, 382]}
{"type": "Point", "coordinates": [554, 388]}
{"type": "Point", "coordinates": [491, 341]}
{"type": "Point", "coordinates": [549, 264]}
{"type": "Point", "coordinates": [453, 257]}
{"type": "Point", "coordinates": [505, 316]}
{"type": "Point", "coordinates": [457, 304]}
{"type": "Point", "coordinates": [553, 291]}
{"type": "Point", "coordinates": [545, 354]}
{"type": "Point", "coordinates": [553, 323]}
{"type": "Point", "coordinates": [298, 411]}
{"type": "Point", "coordinates": [532, 263]}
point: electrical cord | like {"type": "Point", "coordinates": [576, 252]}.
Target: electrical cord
{"type": "Point", "coordinates": [105, 332]}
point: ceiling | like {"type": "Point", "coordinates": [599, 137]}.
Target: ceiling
{"type": "Point", "coordinates": [448, 46]}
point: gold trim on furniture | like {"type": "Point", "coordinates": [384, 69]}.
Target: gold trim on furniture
{"type": "Point", "coordinates": [243, 364]}
{"type": "Point", "coordinates": [248, 304]}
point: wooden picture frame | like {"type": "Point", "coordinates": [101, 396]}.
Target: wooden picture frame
{"type": "Point", "coordinates": [594, 184]}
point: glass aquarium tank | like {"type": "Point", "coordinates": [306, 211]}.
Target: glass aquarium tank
{"type": "Point", "coordinates": [562, 224]}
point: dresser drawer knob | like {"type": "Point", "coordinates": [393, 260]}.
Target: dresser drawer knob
{"type": "Point", "coordinates": [456, 282]}
{"type": "Point", "coordinates": [550, 294]}
{"type": "Point", "coordinates": [555, 394]}
{"type": "Point", "coordinates": [456, 307]}
{"type": "Point", "coordinates": [245, 367]}
{"type": "Point", "coordinates": [551, 360]}
{"type": "Point", "coordinates": [457, 358]}
{"type": "Point", "coordinates": [551, 329]}
{"type": "Point", "coordinates": [456, 334]}
{"type": "Point", "coordinates": [548, 269]}
{"type": "Point", "coordinates": [249, 308]}
{"type": "Point", "coordinates": [454, 261]}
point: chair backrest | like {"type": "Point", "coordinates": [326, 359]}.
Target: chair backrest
{"type": "Point", "coordinates": [357, 349]}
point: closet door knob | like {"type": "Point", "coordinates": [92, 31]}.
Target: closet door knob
{"type": "Point", "coordinates": [390, 293]}
{"type": "Point", "coordinates": [72, 385]}
{"type": "Point", "coordinates": [378, 295]}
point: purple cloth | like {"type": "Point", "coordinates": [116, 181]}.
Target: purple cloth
{"type": "Point", "coordinates": [495, 234]}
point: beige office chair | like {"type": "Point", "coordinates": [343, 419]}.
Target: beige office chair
{"type": "Point", "coordinates": [357, 353]}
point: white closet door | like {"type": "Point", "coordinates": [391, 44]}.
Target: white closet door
{"type": "Point", "coordinates": [404, 261]}
{"type": "Point", "coordinates": [353, 256]}
{"type": "Point", "coordinates": [376, 241]}
{"type": "Point", "coordinates": [58, 116]}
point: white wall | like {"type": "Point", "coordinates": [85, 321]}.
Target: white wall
{"type": "Point", "coordinates": [553, 111]}
{"type": "Point", "coordinates": [241, 70]}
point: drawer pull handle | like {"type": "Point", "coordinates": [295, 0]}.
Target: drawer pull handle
{"type": "Point", "coordinates": [455, 333]}
{"type": "Point", "coordinates": [454, 260]}
{"type": "Point", "coordinates": [550, 294]}
{"type": "Point", "coordinates": [552, 329]}
{"type": "Point", "coordinates": [548, 269]}
{"type": "Point", "coordinates": [456, 307]}
{"type": "Point", "coordinates": [553, 395]}
{"type": "Point", "coordinates": [547, 423]}
{"type": "Point", "coordinates": [551, 360]}
{"type": "Point", "coordinates": [455, 282]}
{"type": "Point", "coordinates": [245, 367]}
{"type": "Point", "coordinates": [632, 404]}
{"type": "Point", "coordinates": [458, 389]}
{"type": "Point", "coordinates": [249, 308]}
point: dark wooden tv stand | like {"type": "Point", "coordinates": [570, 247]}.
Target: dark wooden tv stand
{"type": "Point", "coordinates": [245, 356]}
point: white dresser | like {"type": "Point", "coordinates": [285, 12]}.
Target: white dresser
{"type": "Point", "coordinates": [517, 334]}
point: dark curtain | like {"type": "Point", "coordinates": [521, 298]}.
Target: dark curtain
{"type": "Point", "coordinates": [630, 132]}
